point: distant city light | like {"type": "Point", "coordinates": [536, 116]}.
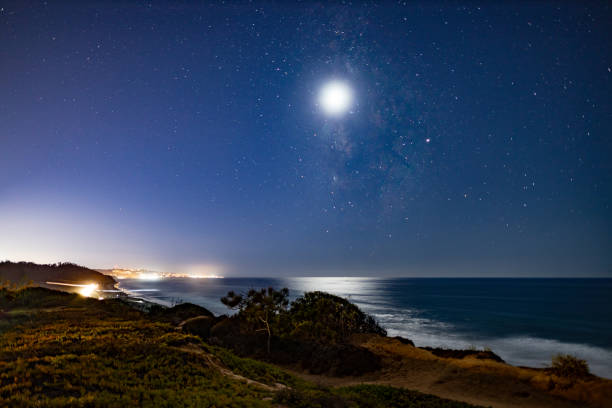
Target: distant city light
{"type": "Point", "coordinates": [145, 275]}
{"type": "Point", "coordinates": [149, 276]}
{"type": "Point", "coordinates": [204, 276]}
{"type": "Point", "coordinates": [88, 290]}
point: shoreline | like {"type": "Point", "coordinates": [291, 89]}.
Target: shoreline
{"type": "Point", "coordinates": [145, 301]}
{"type": "Point", "coordinates": [526, 349]}
{"type": "Point", "coordinates": [468, 377]}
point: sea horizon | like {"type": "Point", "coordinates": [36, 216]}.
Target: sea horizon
{"type": "Point", "coordinates": [379, 277]}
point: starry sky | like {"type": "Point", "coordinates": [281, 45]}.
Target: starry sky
{"type": "Point", "coordinates": [177, 136]}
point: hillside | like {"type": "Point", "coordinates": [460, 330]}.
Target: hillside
{"type": "Point", "coordinates": [59, 349]}
{"type": "Point", "coordinates": [22, 272]}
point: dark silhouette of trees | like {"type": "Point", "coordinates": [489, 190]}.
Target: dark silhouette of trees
{"type": "Point", "coordinates": [328, 318]}
{"type": "Point", "coordinates": [314, 317]}
{"type": "Point", "coordinates": [61, 272]}
{"type": "Point", "coordinates": [261, 308]}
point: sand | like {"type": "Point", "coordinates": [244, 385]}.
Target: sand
{"type": "Point", "coordinates": [472, 380]}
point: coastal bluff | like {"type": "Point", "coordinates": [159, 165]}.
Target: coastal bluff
{"type": "Point", "coordinates": [21, 273]}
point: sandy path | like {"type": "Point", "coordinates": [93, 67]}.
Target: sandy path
{"type": "Point", "coordinates": [479, 382]}
{"type": "Point", "coordinates": [226, 372]}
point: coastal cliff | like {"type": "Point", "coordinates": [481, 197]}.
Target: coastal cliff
{"type": "Point", "coordinates": [69, 273]}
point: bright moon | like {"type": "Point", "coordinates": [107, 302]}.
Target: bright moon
{"type": "Point", "coordinates": [335, 98]}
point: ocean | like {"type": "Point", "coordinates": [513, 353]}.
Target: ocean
{"type": "Point", "coordinates": [525, 321]}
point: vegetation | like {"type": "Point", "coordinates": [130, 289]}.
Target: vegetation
{"type": "Point", "coordinates": [68, 350]}
{"type": "Point", "coordinates": [315, 316]}
{"type": "Point", "coordinates": [13, 286]}
{"type": "Point", "coordinates": [103, 353]}
{"type": "Point", "coordinates": [568, 366]}
{"type": "Point", "coordinates": [328, 318]}
{"type": "Point", "coordinates": [260, 308]}
{"type": "Point", "coordinates": [313, 333]}
{"type": "Point", "coordinates": [21, 272]}
{"type": "Point", "coordinates": [254, 369]}
{"type": "Point", "coordinates": [178, 313]}
{"type": "Point", "coordinates": [370, 396]}
{"type": "Point", "coordinates": [16, 302]}
{"type": "Point", "coordinates": [484, 354]}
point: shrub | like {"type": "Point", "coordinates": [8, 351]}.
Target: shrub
{"type": "Point", "coordinates": [325, 317]}
{"type": "Point", "coordinates": [178, 313]}
{"type": "Point", "coordinates": [260, 308]}
{"type": "Point", "coordinates": [569, 366]}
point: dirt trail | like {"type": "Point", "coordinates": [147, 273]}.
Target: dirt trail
{"type": "Point", "coordinates": [228, 373]}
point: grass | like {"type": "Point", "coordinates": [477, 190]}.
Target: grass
{"type": "Point", "coordinates": [109, 355]}
{"type": "Point", "coordinates": [65, 350]}
{"type": "Point", "coordinates": [363, 396]}
{"type": "Point", "coordinates": [382, 396]}
{"type": "Point", "coordinates": [255, 370]}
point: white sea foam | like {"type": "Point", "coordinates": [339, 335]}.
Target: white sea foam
{"type": "Point", "coordinates": [405, 321]}
{"type": "Point", "coordinates": [521, 350]}
{"type": "Point", "coordinates": [516, 350]}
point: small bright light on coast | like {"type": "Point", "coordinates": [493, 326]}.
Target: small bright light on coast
{"type": "Point", "coordinates": [88, 290]}
{"type": "Point", "coordinates": [336, 97]}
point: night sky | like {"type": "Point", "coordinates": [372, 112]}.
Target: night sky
{"type": "Point", "coordinates": [477, 139]}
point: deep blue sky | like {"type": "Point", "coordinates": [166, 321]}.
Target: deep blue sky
{"type": "Point", "coordinates": [176, 136]}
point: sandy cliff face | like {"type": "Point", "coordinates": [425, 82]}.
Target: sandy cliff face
{"type": "Point", "coordinates": [472, 379]}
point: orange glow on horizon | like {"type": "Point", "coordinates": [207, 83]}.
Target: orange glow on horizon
{"type": "Point", "coordinates": [196, 272]}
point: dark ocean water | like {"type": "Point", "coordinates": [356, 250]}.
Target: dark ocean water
{"type": "Point", "coordinates": [525, 321]}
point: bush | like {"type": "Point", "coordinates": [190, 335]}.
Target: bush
{"type": "Point", "coordinates": [178, 313]}
{"type": "Point", "coordinates": [568, 366]}
{"type": "Point", "coordinates": [260, 308]}
{"type": "Point", "coordinates": [326, 318]}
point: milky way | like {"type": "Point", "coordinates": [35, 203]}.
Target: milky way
{"type": "Point", "coordinates": [476, 140]}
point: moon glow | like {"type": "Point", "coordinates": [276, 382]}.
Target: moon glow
{"type": "Point", "coordinates": [335, 98]}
